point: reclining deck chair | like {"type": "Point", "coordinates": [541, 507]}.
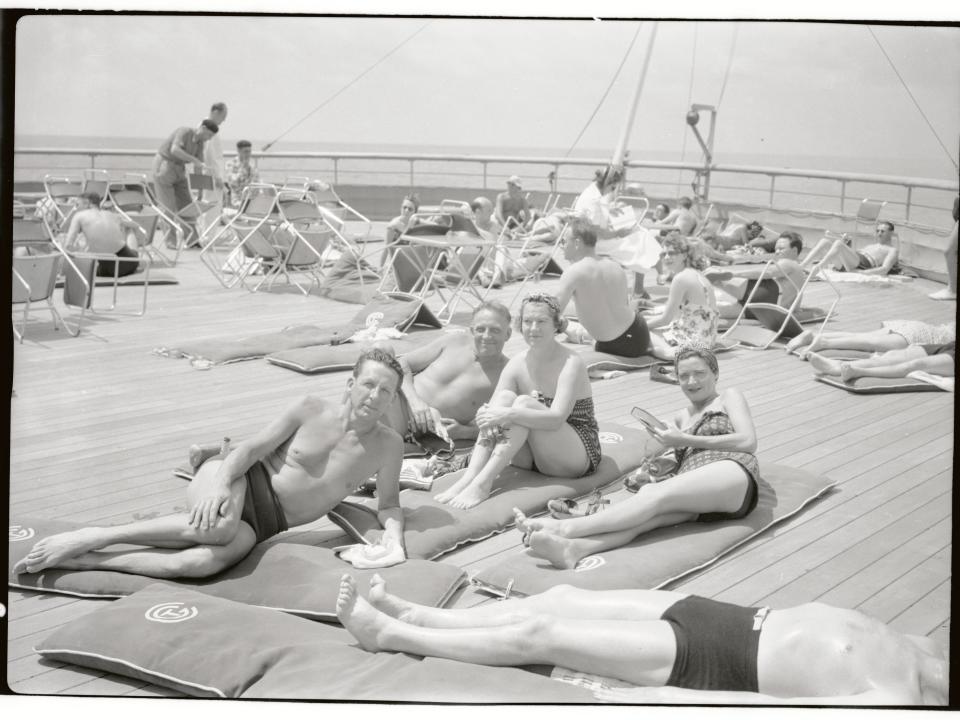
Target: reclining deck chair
{"type": "Point", "coordinates": [241, 246]}
{"type": "Point", "coordinates": [131, 200]}
{"type": "Point", "coordinates": [34, 281]}
{"type": "Point", "coordinates": [777, 321]}
{"type": "Point", "coordinates": [354, 261]}
{"type": "Point", "coordinates": [868, 214]}
{"type": "Point", "coordinates": [527, 257]}
{"type": "Point", "coordinates": [80, 278]}
{"type": "Point", "coordinates": [440, 252]}
{"type": "Point", "coordinates": [301, 239]}
{"type": "Point", "coordinates": [59, 201]}
{"type": "Point", "coordinates": [189, 215]}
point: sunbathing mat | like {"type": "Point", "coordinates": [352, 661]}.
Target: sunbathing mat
{"type": "Point", "coordinates": [665, 555]}
{"type": "Point", "coordinates": [432, 529]}
{"type": "Point", "coordinates": [210, 647]}
{"type": "Point", "coordinates": [133, 280]}
{"type": "Point", "coordinates": [771, 318]}
{"type": "Point", "coordinates": [393, 310]}
{"type": "Point", "coordinates": [879, 386]}
{"type": "Point", "coordinates": [331, 358]}
{"type": "Point", "coordinates": [294, 578]}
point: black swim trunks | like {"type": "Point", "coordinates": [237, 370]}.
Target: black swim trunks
{"type": "Point", "coordinates": [717, 644]}
{"type": "Point", "coordinates": [949, 348]}
{"type": "Point", "coordinates": [634, 342]}
{"type": "Point", "coordinates": [767, 292]}
{"type": "Point", "coordinates": [261, 506]}
{"type": "Point", "coordinates": [865, 262]}
{"type": "Point", "coordinates": [109, 268]}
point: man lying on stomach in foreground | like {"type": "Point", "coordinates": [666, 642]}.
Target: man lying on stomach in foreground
{"type": "Point", "coordinates": [292, 472]}
{"type": "Point", "coordinates": [678, 648]}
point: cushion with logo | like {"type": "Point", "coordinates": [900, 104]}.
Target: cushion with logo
{"type": "Point", "coordinates": [432, 529]}
{"type": "Point", "coordinates": [204, 646]}
{"type": "Point", "coordinates": [663, 556]}
{"type": "Point", "coordinates": [299, 579]}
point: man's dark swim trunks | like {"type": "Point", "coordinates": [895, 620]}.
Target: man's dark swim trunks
{"type": "Point", "coordinates": [261, 506]}
{"type": "Point", "coordinates": [634, 342]}
{"type": "Point", "coordinates": [717, 644]}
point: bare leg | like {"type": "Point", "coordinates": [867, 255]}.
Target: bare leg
{"type": "Point", "coordinates": [872, 341]}
{"type": "Point", "coordinates": [560, 601]}
{"type": "Point", "coordinates": [822, 245]}
{"type": "Point", "coordinates": [566, 552]}
{"type": "Point", "coordinates": [900, 366]}
{"type": "Point", "coordinates": [479, 487]}
{"type": "Point", "coordinates": [824, 366]}
{"type": "Point", "coordinates": [717, 487]}
{"type": "Point", "coordinates": [171, 531]}
{"type": "Point", "coordinates": [660, 348]}
{"type": "Point", "coordinates": [950, 255]}
{"type": "Point", "coordinates": [840, 254]}
{"type": "Point", "coordinates": [195, 562]}
{"type": "Point", "coordinates": [637, 652]}
{"type": "Point", "coordinates": [801, 340]}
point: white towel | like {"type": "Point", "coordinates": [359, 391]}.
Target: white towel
{"type": "Point", "coordinates": [942, 382]}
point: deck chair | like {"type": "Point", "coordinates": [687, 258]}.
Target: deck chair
{"type": "Point", "coordinates": [779, 322]}
{"type": "Point", "coordinates": [527, 259]}
{"type": "Point", "coordinates": [233, 250]}
{"type": "Point", "coordinates": [703, 222]}
{"type": "Point", "coordinates": [302, 239]}
{"type": "Point", "coordinates": [59, 201]}
{"type": "Point", "coordinates": [34, 281]}
{"type": "Point", "coordinates": [189, 215]}
{"type": "Point", "coordinates": [80, 278]}
{"type": "Point", "coordinates": [131, 200]}
{"type": "Point", "coordinates": [867, 216]}
{"type": "Point", "coordinates": [97, 181]}
{"type": "Point", "coordinates": [32, 235]}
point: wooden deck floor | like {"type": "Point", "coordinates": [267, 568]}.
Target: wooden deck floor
{"type": "Point", "coordinates": [98, 422]}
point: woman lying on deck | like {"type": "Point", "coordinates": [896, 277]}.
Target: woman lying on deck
{"type": "Point", "coordinates": [716, 480]}
{"type": "Point", "coordinates": [894, 335]}
{"type": "Point", "coordinates": [541, 413]}
{"type": "Point", "coordinates": [675, 648]}
{"type": "Point", "coordinates": [690, 315]}
{"type": "Point", "coordinates": [936, 359]}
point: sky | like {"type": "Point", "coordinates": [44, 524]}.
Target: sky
{"type": "Point", "coordinates": [793, 89]}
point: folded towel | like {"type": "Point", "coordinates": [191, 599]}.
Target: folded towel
{"type": "Point", "coordinates": [944, 383]}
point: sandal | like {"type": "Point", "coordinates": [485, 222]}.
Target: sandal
{"type": "Point", "coordinates": [663, 373]}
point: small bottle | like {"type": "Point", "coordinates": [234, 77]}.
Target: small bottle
{"type": "Point", "coordinates": [225, 446]}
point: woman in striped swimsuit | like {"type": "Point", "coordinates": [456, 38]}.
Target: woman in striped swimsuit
{"type": "Point", "coordinates": [540, 416]}
{"type": "Point", "coordinates": [716, 480]}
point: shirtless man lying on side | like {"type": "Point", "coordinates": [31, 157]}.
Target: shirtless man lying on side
{"type": "Point", "coordinates": [452, 377]}
{"type": "Point", "coordinates": [292, 472]}
{"type": "Point", "coordinates": [677, 648]}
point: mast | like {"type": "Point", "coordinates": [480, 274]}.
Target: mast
{"type": "Point", "coordinates": [621, 148]}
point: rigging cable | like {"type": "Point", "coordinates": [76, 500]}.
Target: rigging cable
{"type": "Point", "coordinates": [726, 75]}
{"type": "Point", "coordinates": [916, 104]}
{"type": "Point", "coordinates": [607, 91]}
{"type": "Point", "coordinates": [347, 86]}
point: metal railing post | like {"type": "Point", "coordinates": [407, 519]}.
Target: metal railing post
{"type": "Point", "coordinates": [336, 171]}
{"type": "Point", "coordinates": [843, 195]}
{"type": "Point", "coordinates": [411, 160]}
{"type": "Point", "coordinates": [773, 186]}
{"type": "Point", "coordinates": [909, 198]}
{"type": "Point", "coordinates": [484, 164]}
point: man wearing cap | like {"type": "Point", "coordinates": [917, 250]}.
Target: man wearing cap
{"type": "Point", "coordinates": [185, 145]}
{"type": "Point", "coordinates": [241, 172]}
{"type": "Point", "coordinates": [513, 210]}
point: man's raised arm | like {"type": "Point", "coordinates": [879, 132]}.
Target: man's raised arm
{"type": "Point", "coordinates": [213, 501]}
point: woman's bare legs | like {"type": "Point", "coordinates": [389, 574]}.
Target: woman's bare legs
{"type": "Point", "coordinates": [642, 653]}
{"type": "Point", "coordinates": [717, 487]}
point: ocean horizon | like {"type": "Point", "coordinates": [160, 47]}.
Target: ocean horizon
{"type": "Point", "coordinates": [897, 166]}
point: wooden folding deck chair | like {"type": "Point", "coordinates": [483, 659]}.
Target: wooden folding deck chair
{"type": "Point", "coordinates": [34, 281]}
{"type": "Point", "coordinates": [777, 321]}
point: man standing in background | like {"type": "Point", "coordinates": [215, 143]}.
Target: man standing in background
{"type": "Point", "coordinates": [241, 172]}
{"type": "Point", "coordinates": [213, 159]}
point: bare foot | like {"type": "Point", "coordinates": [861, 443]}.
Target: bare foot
{"type": "Point", "coordinates": [551, 547]}
{"type": "Point", "coordinates": [470, 497]}
{"type": "Point", "coordinates": [358, 616]}
{"type": "Point", "coordinates": [528, 524]}
{"type": "Point", "coordinates": [816, 345]}
{"type": "Point", "coordinates": [823, 365]}
{"type": "Point", "coordinates": [800, 340]}
{"type": "Point", "coordinates": [454, 490]}
{"type": "Point", "coordinates": [390, 604]}
{"type": "Point", "coordinates": [55, 550]}
{"type": "Point", "coordinates": [848, 372]}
